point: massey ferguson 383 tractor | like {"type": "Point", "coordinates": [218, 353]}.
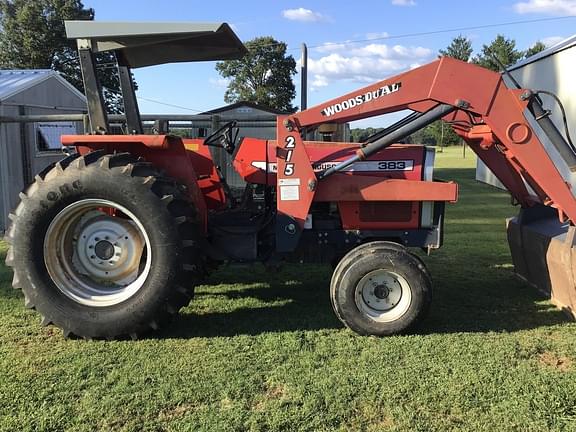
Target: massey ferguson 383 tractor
{"type": "Point", "coordinates": [111, 241]}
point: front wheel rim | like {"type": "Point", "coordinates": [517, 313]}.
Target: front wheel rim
{"type": "Point", "coordinates": [95, 258]}
{"type": "Point", "coordinates": [383, 295]}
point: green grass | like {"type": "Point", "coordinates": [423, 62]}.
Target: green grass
{"type": "Point", "coordinates": [264, 352]}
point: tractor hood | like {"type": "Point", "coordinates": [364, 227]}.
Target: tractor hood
{"type": "Point", "coordinates": [141, 44]}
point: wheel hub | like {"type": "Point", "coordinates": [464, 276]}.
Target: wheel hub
{"type": "Point", "coordinates": [381, 292]}
{"type": "Point", "coordinates": [104, 250]}
{"type": "Point", "coordinates": [108, 248]}
{"type": "Point", "coordinates": [94, 258]}
{"type": "Point", "coordinates": [383, 295]}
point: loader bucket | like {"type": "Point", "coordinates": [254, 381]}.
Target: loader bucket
{"type": "Point", "coordinates": [544, 254]}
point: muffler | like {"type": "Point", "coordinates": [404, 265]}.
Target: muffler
{"type": "Point", "coordinates": [544, 254]}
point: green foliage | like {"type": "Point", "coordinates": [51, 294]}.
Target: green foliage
{"type": "Point", "coordinates": [359, 135]}
{"type": "Point", "coordinates": [181, 132]}
{"type": "Point", "coordinates": [262, 351]}
{"type": "Point", "coordinates": [460, 48]}
{"type": "Point", "coordinates": [34, 37]}
{"type": "Point", "coordinates": [534, 49]}
{"type": "Point", "coordinates": [436, 134]}
{"type": "Point", "coordinates": [263, 76]}
{"type": "Point", "coordinates": [505, 51]}
{"type": "Point", "coordinates": [33, 33]}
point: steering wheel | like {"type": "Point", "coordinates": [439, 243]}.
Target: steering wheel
{"type": "Point", "coordinates": [223, 137]}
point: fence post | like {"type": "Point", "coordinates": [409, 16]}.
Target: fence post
{"type": "Point", "coordinates": [215, 123]}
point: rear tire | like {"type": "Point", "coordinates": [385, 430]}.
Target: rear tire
{"type": "Point", "coordinates": [380, 289]}
{"type": "Point", "coordinates": [104, 246]}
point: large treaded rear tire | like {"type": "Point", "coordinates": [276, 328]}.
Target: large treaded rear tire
{"type": "Point", "coordinates": [384, 258]}
{"type": "Point", "coordinates": [169, 220]}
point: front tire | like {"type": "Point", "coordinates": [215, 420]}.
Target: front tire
{"type": "Point", "coordinates": [380, 289]}
{"type": "Point", "coordinates": [104, 246]}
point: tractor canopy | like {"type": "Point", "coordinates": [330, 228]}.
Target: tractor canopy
{"type": "Point", "coordinates": [147, 44]}
{"type": "Point", "coordinates": [140, 44]}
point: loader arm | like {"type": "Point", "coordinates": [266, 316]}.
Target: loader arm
{"type": "Point", "coordinates": [491, 117]}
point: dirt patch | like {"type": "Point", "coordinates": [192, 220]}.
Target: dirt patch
{"type": "Point", "coordinates": [550, 359]}
{"type": "Point", "coordinates": [276, 391]}
{"type": "Point", "coordinates": [271, 393]}
{"type": "Point", "coordinates": [226, 403]}
{"type": "Point", "coordinates": [385, 424]}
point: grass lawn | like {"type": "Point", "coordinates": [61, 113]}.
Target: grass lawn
{"type": "Point", "coordinates": [264, 352]}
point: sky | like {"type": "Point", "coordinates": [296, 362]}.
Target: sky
{"type": "Point", "coordinates": [351, 44]}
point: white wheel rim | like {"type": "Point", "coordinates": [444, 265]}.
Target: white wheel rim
{"type": "Point", "coordinates": [94, 258]}
{"type": "Point", "coordinates": [383, 295]}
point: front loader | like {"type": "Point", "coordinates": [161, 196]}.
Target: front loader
{"type": "Point", "coordinates": [111, 241]}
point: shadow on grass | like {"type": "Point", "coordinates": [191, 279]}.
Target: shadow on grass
{"type": "Point", "coordinates": [293, 316]}
{"type": "Point", "coordinates": [6, 290]}
{"type": "Point", "coordinates": [484, 306]}
{"type": "Point", "coordinates": [298, 300]}
{"type": "Point", "coordinates": [285, 301]}
{"type": "Point", "coordinates": [489, 305]}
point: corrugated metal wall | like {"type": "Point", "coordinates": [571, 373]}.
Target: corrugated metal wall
{"type": "Point", "coordinates": [10, 165]}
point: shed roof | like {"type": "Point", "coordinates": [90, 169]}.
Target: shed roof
{"type": "Point", "coordinates": [13, 82]}
{"type": "Point", "coordinates": [240, 104]}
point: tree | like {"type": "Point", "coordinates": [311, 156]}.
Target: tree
{"type": "Point", "coordinates": [504, 50]}
{"type": "Point", "coordinates": [33, 37]}
{"type": "Point", "coordinates": [361, 134]}
{"type": "Point", "coordinates": [263, 76]}
{"type": "Point", "coordinates": [460, 48]}
{"type": "Point", "coordinates": [435, 134]}
{"type": "Point", "coordinates": [534, 49]}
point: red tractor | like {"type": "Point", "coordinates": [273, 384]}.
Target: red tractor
{"type": "Point", "coordinates": [111, 241]}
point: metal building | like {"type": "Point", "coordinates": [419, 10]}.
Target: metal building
{"type": "Point", "coordinates": [27, 148]}
{"type": "Point", "coordinates": [552, 70]}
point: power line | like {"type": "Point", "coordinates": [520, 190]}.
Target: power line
{"type": "Point", "coordinates": [432, 32]}
{"type": "Point", "coordinates": [388, 37]}
{"type": "Point", "coordinates": [154, 101]}
{"type": "Point", "coordinates": [168, 104]}
{"type": "Point", "coordinates": [405, 35]}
